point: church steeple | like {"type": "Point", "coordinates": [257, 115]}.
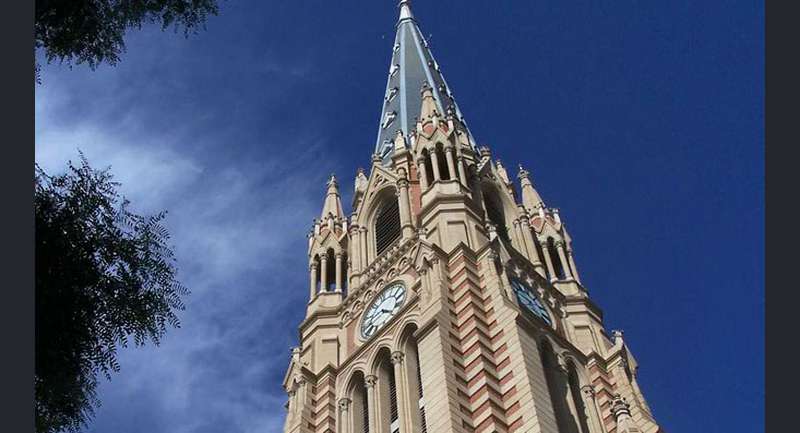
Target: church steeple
{"type": "Point", "coordinates": [411, 67]}
{"type": "Point", "coordinates": [448, 302]}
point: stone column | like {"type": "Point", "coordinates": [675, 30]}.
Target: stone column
{"type": "Point", "coordinates": [354, 248]}
{"type": "Point", "coordinates": [339, 272]}
{"type": "Point", "coordinates": [345, 421]}
{"type": "Point", "coordinates": [530, 242]}
{"type": "Point", "coordinates": [462, 168]}
{"type": "Point", "coordinates": [520, 243]}
{"type": "Point", "coordinates": [572, 265]}
{"type": "Point", "coordinates": [563, 257]}
{"type": "Point", "coordinates": [372, 407]}
{"type": "Point", "coordinates": [403, 395]}
{"type": "Point", "coordinates": [313, 285]}
{"type": "Point", "coordinates": [423, 174]}
{"type": "Point", "coordinates": [451, 162]}
{"type": "Point", "coordinates": [323, 278]}
{"type": "Point", "coordinates": [363, 253]}
{"type": "Point", "coordinates": [405, 205]}
{"type": "Point", "coordinates": [435, 165]}
{"type": "Point", "coordinates": [590, 403]}
{"type": "Point", "coordinates": [549, 262]}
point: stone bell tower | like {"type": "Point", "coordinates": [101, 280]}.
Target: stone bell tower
{"type": "Point", "coordinates": [449, 299]}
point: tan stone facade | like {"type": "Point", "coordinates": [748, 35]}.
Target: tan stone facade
{"type": "Point", "coordinates": [457, 349]}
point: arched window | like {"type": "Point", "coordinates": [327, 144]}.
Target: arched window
{"type": "Point", "coordinates": [330, 280]}
{"type": "Point", "coordinates": [494, 210]}
{"type": "Point", "coordinates": [359, 409]}
{"type": "Point", "coordinates": [442, 161]}
{"type": "Point", "coordinates": [557, 266]}
{"type": "Point", "coordinates": [388, 417]}
{"type": "Point", "coordinates": [557, 388]}
{"type": "Point", "coordinates": [539, 250]}
{"type": "Point", "coordinates": [414, 375]}
{"type": "Point", "coordinates": [575, 390]}
{"type": "Point", "coordinates": [426, 158]}
{"type": "Point", "coordinates": [387, 225]}
{"type": "Point", "coordinates": [345, 274]}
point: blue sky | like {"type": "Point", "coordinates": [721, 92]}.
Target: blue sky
{"type": "Point", "coordinates": [641, 121]}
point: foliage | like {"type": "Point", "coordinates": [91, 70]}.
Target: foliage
{"type": "Point", "coordinates": [92, 31]}
{"type": "Point", "coordinates": [104, 276]}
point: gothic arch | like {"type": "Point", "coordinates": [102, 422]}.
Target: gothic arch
{"type": "Point", "coordinates": [551, 250]}
{"type": "Point", "coordinates": [330, 278]}
{"type": "Point", "coordinates": [358, 409]}
{"type": "Point", "coordinates": [387, 405]}
{"type": "Point", "coordinates": [580, 370]}
{"type": "Point", "coordinates": [386, 195]}
{"type": "Point", "coordinates": [499, 208]}
{"type": "Point", "coordinates": [441, 159]}
{"type": "Point", "coordinates": [384, 344]}
{"type": "Point", "coordinates": [557, 388]}
{"type": "Point", "coordinates": [576, 390]}
{"type": "Point", "coordinates": [428, 171]}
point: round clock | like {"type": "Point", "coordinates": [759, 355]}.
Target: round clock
{"type": "Point", "coordinates": [527, 299]}
{"type": "Point", "coordinates": [383, 308]}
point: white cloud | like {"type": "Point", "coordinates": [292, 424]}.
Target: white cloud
{"type": "Point", "coordinates": [235, 224]}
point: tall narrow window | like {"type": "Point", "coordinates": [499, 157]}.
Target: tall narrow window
{"type": "Point", "coordinates": [421, 401]}
{"type": "Point", "coordinates": [394, 421]}
{"type": "Point", "coordinates": [330, 268]}
{"type": "Point", "coordinates": [365, 413]}
{"type": "Point", "coordinates": [426, 157]}
{"type": "Point", "coordinates": [386, 394]}
{"type": "Point", "coordinates": [575, 390]}
{"type": "Point", "coordinates": [359, 412]}
{"type": "Point", "coordinates": [387, 225]}
{"type": "Point", "coordinates": [413, 374]}
{"type": "Point", "coordinates": [442, 160]}
{"type": "Point", "coordinates": [557, 388]}
{"type": "Point", "coordinates": [557, 266]}
{"type": "Point", "coordinates": [345, 274]}
{"type": "Point", "coordinates": [494, 210]}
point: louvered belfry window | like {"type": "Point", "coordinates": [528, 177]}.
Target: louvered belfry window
{"type": "Point", "coordinates": [387, 226]}
{"type": "Point", "coordinates": [393, 418]}
{"type": "Point", "coordinates": [421, 401]}
{"type": "Point", "coordinates": [365, 413]}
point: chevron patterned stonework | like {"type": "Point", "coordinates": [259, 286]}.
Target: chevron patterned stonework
{"type": "Point", "coordinates": [449, 300]}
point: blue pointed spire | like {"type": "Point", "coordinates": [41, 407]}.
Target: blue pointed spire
{"type": "Point", "coordinates": [412, 65]}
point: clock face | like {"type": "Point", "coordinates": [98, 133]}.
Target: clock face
{"type": "Point", "coordinates": [527, 299]}
{"type": "Point", "coordinates": [383, 308]}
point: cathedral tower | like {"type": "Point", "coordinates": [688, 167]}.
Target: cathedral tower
{"type": "Point", "coordinates": [447, 301]}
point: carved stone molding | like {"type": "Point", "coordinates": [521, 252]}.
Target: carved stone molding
{"type": "Point", "coordinates": [370, 381]}
{"type": "Point", "coordinates": [397, 357]}
{"type": "Point", "coordinates": [344, 404]}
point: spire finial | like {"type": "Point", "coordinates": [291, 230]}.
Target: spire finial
{"type": "Point", "coordinates": [333, 204]}
{"type": "Point", "coordinates": [523, 174]}
{"type": "Point", "coordinates": [405, 11]}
